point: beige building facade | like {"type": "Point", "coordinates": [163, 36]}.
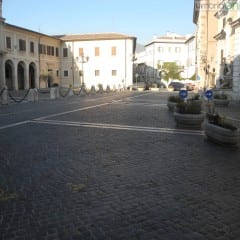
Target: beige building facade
{"type": "Point", "coordinates": [218, 44]}
{"type": "Point", "coordinates": [228, 46]}
{"type": "Point", "coordinates": [206, 44]}
{"type": "Point", "coordinates": [28, 58]}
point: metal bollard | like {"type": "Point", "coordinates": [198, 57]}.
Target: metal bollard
{"type": "Point", "coordinates": [31, 95]}
{"type": "Point", "coordinates": [53, 93]}
{"type": "Point", "coordinates": [4, 97]}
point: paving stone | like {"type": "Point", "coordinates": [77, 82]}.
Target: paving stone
{"type": "Point", "coordinates": [93, 183]}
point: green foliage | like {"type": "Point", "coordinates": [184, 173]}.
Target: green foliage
{"type": "Point", "coordinates": [193, 77]}
{"type": "Point", "coordinates": [170, 70]}
{"type": "Point", "coordinates": [219, 120]}
{"type": "Point", "coordinates": [195, 97]}
{"type": "Point", "coordinates": [189, 107]}
{"type": "Point", "coordinates": [175, 98]}
{"type": "Point", "coordinates": [220, 96]}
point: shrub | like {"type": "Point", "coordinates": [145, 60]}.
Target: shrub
{"type": "Point", "coordinates": [196, 97]}
{"type": "Point", "coordinates": [219, 120]}
{"type": "Point", "coordinates": [189, 107]}
{"type": "Point", "coordinates": [220, 96]}
{"type": "Point", "coordinates": [175, 98]}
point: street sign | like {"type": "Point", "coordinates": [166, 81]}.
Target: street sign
{"type": "Point", "coordinates": [183, 94]}
{"type": "Point", "coordinates": [209, 94]}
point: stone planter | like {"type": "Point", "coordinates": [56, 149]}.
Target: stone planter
{"type": "Point", "coordinates": [221, 102]}
{"type": "Point", "coordinates": [171, 106]}
{"type": "Point", "coordinates": [186, 120]}
{"type": "Point", "coordinates": [199, 102]}
{"type": "Point", "coordinates": [221, 135]}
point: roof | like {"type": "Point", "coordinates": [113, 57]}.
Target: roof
{"type": "Point", "coordinates": [28, 30]}
{"type": "Point", "coordinates": [98, 36]}
{"type": "Point", "coordinates": [173, 38]}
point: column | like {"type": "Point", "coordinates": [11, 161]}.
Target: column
{"type": "Point", "coordinates": [15, 77]}
{"type": "Point", "coordinates": [26, 80]}
{"type": "Point", "coordinates": [2, 77]}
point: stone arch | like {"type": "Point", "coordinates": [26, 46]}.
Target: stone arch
{"type": "Point", "coordinates": [21, 67]}
{"type": "Point", "coordinates": [9, 74]}
{"type": "Point", "coordinates": [32, 75]}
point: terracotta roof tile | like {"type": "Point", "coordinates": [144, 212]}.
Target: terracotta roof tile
{"type": "Point", "coordinates": [90, 37]}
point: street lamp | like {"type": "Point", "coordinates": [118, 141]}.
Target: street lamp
{"type": "Point", "coordinates": [136, 75]}
{"type": "Point", "coordinates": [82, 61]}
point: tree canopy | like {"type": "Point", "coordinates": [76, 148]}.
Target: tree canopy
{"type": "Point", "coordinates": [170, 70]}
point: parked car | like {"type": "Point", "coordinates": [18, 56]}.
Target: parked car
{"type": "Point", "coordinates": [177, 86]}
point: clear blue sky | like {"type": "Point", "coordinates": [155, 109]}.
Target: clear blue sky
{"type": "Point", "coordinates": [139, 18]}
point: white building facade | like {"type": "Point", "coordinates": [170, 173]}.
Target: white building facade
{"type": "Point", "coordinates": [169, 48]}
{"type": "Point", "coordinates": [94, 59]}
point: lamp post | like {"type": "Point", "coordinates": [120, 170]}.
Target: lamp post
{"type": "Point", "coordinates": [207, 70]}
{"type": "Point", "coordinates": [83, 60]}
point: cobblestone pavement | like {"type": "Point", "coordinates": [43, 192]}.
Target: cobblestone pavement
{"type": "Point", "coordinates": [114, 167]}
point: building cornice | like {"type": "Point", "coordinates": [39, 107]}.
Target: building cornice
{"type": "Point", "coordinates": [220, 36]}
{"type": "Point", "coordinates": [30, 31]}
{"type": "Point", "coordinates": [235, 23]}
{"type": "Point", "coordinates": [94, 36]}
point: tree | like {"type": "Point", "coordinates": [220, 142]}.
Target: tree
{"type": "Point", "coordinates": [170, 70]}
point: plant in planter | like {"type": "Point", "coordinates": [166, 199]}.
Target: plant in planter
{"type": "Point", "coordinates": [196, 98]}
{"type": "Point", "coordinates": [219, 130]}
{"type": "Point", "coordinates": [189, 115]}
{"type": "Point", "coordinates": [221, 99]}
{"type": "Point", "coordinates": [172, 102]}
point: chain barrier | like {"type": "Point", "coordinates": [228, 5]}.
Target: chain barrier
{"type": "Point", "coordinates": [66, 94]}
{"type": "Point", "coordinates": [82, 90]}
{"type": "Point", "coordinates": [2, 91]}
{"type": "Point", "coordinates": [16, 100]}
{"type": "Point", "coordinates": [79, 92]}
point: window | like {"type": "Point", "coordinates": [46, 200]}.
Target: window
{"type": "Point", "coordinates": [177, 49]}
{"type": "Point", "coordinates": [169, 49]}
{"type": "Point", "coordinates": [224, 22]}
{"type": "Point", "coordinates": [57, 52]}
{"type": "Point", "coordinates": [8, 43]}
{"type": "Point", "coordinates": [65, 73]}
{"type": "Point", "coordinates": [50, 51]}
{"type": "Point", "coordinates": [31, 47]}
{"type": "Point", "coordinates": [57, 73]}
{"type": "Point", "coordinates": [22, 45]}
{"type": "Point", "coordinates": [65, 52]}
{"type": "Point", "coordinates": [97, 51]}
{"type": "Point", "coordinates": [160, 49]}
{"type": "Point", "coordinates": [81, 53]}
{"type": "Point", "coordinates": [114, 72]}
{"type": "Point", "coordinates": [42, 49]}
{"type": "Point", "coordinates": [114, 51]}
{"type": "Point", "coordinates": [97, 73]}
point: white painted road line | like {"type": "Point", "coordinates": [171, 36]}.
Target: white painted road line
{"type": "Point", "coordinates": [120, 127]}
{"type": "Point", "coordinates": [14, 125]}
{"type": "Point", "coordinates": [71, 111]}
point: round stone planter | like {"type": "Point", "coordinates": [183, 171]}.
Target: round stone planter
{"type": "Point", "coordinates": [221, 135]}
{"type": "Point", "coordinates": [191, 121]}
{"type": "Point", "coordinates": [171, 106]}
{"type": "Point", "coordinates": [221, 102]}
